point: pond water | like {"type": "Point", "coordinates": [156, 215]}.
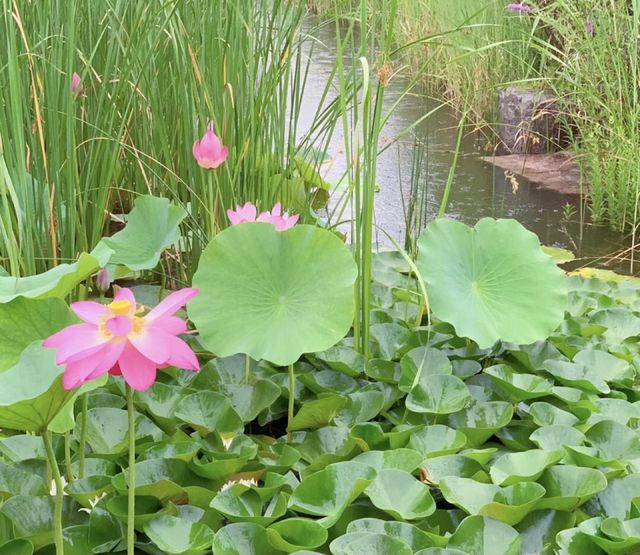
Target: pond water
{"type": "Point", "coordinates": [479, 189]}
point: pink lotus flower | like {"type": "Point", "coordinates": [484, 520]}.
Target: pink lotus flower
{"type": "Point", "coordinates": [248, 212]}
{"type": "Point", "coordinates": [75, 84]}
{"type": "Point", "coordinates": [278, 219]}
{"type": "Point", "coordinates": [242, 214]}
{"type": "Point", "coordinates": [210, 152]}
{"type": "Point", "coordinates": [115, 338]}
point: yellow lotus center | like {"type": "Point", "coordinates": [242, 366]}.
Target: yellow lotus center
{"type": "Point", "coordinates": [120, 308]}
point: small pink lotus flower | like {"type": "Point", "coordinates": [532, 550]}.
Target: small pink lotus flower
{"type": "Point", "coordinates": [210, 152]}
{"type": "Point", "coordinates": [103, 282]}
{"type": "Point", "coordinates": [115, 338]}
{"type": "Point", "coordinates": [75, 84]}
{"type": "Point", "coordinates": [248, 212]}
{"type": "Point", "coordinates": [242, 214]}
{"type": "Point", "coordinates": [278, 219]}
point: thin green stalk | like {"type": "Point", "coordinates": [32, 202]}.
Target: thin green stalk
{"type": "Point", "coordinates": [292, 400]}
{"type": "Point", "coordinates": [57, 479]}
{"type": "Point", "coordinates": [247, 368]}
{"type": "Point", "coordinates": [131, 491]}
{"type": "Point", "coordinates": [67, 456]}
{"type": "Point", "coordinates": [83, 436]}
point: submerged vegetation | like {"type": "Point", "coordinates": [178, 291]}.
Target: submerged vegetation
{"type": "Point", "coordinates": [201, 349]}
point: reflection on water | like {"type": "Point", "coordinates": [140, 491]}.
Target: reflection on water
{"type": "Point", "coordinates": [478, 190]}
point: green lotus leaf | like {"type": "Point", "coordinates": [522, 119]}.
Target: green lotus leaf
{"type": "Point", "coordinates": [578, 375]}
{"type": "Point", "coordinates": [620, 323]}
{"type": "Point", "coordinates": [328, 492]}
{"type": "Point", "coordinates": [387, 371]}
{"type": "Point", "coordinates": [147, 508]}
{"type": "Point", "coordinates": [401, 495]}
{"type": "Point", "coordinates": [440, 551]}
{"type": "Point", "coordinates": [272, 295]}
{"type": "Point", "coordinates": [207, 411]}
{"type": "Point", "coordinates": [17, 481]}
{"type": "Point", "coordinates": [327, 381]}
{"type": "Point", "coordinates": [400, 459]}
{"type": "Point", "coordinates": [479, 535]}
{"type": "Point", "coordinates": [569, 486]}
{"type": "Point", "coordinates": [436, 440]}
{"type": "Point", "coordinates": [248, 400]}
{"type": "Point", "coordinates": [614, 441]}
{"type": "Point", "coordinates": [243, 538]}
{"type": "Point", "coordinates": [481, 420]}
{"type": "Point", "coordinates": [557, 436]}
{"type": "Point", "coordinates": [510, 504]}
{"type": "Point", "coordinates": [519, 387]}
{"type": "Point", "coordinates": [559, 256]}
{"type": "Point", "coordinates": [361, 406]}
{"type": "Point", "coordinates": [86, 489]}
{"type": "Point", "coordinates": [152, 226]}
{"type": "Point", "coordinates": [317, 413]}
{"type": "Point", "coordinates": [32, 398]}
{"type": "Point", "coordinates": [389, 340]}
{"type": "Point", "coordinates": [619, 410]}
{"type": "Point", "coordinates": [492, 282]}
{"type": "Point", "coordinates": [294, 534]}
{"type": "Point", "coordinates": [243, 504]}
{"type": "Point", "coordinates": [179, 536]}
{"type": "Point", "coordinates": [21, 447]}
{"type": "Point", "coordinates": [326, 445]}
{"type": "Point", "coordinates": [57, 282]}
{"type": "Point", "coordinates": [221, 463]}
{"type": "Point", "coordinates": [440, 467]}
{"type": "Point", "coordinates": [525, 466]}
{"type": "Point", "coordinates": [610, 368]}
{"type": "Point", "coordinates": [546, 414]}
{"type": "Point", "coordinates": [107, 430]}
{"type": "Point", "coordinates": [617, 499]}
{"type": "Point", "coordinates": [539, 528]}
{"type": "Point", "coordinates": [16, 547]}
{"type": "Point", "coordinates": [23, 321]}
{"type": "Point", "coordinates": [343, 359]}
{"type": "Point", "coordinates": [439, 394]}
{"type": "Point", "coordinates": [160, 400]}
{"type": "Point", "coordinates": [32, 517]}
{"type": "Point", "coordinates": [422, 363]}
{"type": "Point", "coordinates": [410, 534]}
{"type": "Point", "coordinates": [356, 543]}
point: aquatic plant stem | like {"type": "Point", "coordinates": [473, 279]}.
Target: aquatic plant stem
{"type": "Point", "coordinates": [57, 479]}
{"type": "Point", "coordinates": [292, 395]}
{"type": "Point", "coordinates": [83, 436]}
{"type": "Point", "coordinates": [131, 505]}
{"type": "Point", "coordinates": [247, 368]}
{"type": "Point", "coordinates": [67, 456]}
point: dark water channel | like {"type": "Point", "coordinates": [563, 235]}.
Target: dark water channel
{"type": "Point", "coordinates": [479, 189]}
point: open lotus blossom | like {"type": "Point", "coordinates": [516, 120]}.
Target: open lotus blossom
{"type": "Point", "coordinates": [118, 338]}
{"type": "Point", "coordinates": [248, 212]}
{"type": "Point", "coordinates": [209, 152]}
{"type": "Point", "coordinates": [519, 7]}
{"type": "Point", "coordinates": [75, 84]}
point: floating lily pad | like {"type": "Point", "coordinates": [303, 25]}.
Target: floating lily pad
{"type": "Point", "coordinates": [492, 282]}
{"type": "Point", "coordinates": [273, 295]}
{"type": "Point", "coordinates": [294, 534]}
{"type": "Point", "coordinates": [179, 536]}
{"type": "Point", "coordinates": [569, 486]}
{"type": "Point", "coordinates": [479, 535]}
{"type": "Point", "coordinates": [525, 466]}
{"type": "Point", "coordinates": [519, 387]}
{"type": "Point", "coordinates": [402, 496]}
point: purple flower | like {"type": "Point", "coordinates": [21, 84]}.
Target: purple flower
{"type": "Point", "coordinates": [589, 25]}
{"type": "Point", "coordinates": [519, 7]}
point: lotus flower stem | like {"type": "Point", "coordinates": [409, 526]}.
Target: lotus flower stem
{"type": "Point", "coordinates": [57, 479]}
{"type": "Point", "coordinates": [83, 436]}
{"type": "Point", "coordinates": [67, 456]}
{"type": "Point", "coordinates": [131, 505]}
{"type": "Point", "coordinates": [247, 369]}
{"type": "Point", "coordinates": [292, 394]}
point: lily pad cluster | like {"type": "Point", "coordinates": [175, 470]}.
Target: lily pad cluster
{"type": "Point", "coordinates": [432, 446]}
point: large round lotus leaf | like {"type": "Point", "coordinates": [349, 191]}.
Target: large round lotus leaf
{"type": "Point", "coordinates": [492, 282]}
{"type": "Point", "coordinates": [273, 295]}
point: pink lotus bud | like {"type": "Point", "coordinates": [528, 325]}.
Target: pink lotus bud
{"type": "Point", "coordinates": [102, 281]}
{"type": "Point", "coordinates": [75, 84]}
{"type": "Point", "coordinates": [210, 152]}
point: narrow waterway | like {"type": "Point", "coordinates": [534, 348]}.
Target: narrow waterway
{"type": "Point", "coordinates": [479, 189]}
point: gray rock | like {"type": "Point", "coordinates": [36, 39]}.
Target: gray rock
{"type": "Point", "coordinates": [529, 122]}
